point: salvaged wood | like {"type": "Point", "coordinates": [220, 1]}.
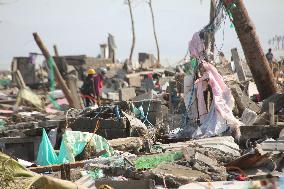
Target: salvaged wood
{"type": "Point", "coordinates": [271, 113]}
{"type": "Point", "coordinates": [55, 168]}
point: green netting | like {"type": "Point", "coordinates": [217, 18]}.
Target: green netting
{"type": "Point", "coordinates": [152, 161]}
{"type": "Point", "coordinates": [51, 64]}
{"type": "Point", "coordinates": [194, 63]}
{"type": "Point", "coordinates": [96, 173]}
{"type": "Point", "coordinates": [190, 66]}
{"type": "Point", "coordinates": [5, 82]}
{"type": "Point", "coordinates": [2, 123]}
{"type": "Point", "coordinates": [73, 143]}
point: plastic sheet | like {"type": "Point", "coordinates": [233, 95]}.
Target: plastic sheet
{"type": "Point", "coordinates": [46, 154]}
{"type": "Point", "coordinates": [14, 175]}
{"type": "Point", "coordinates": [73, 143]}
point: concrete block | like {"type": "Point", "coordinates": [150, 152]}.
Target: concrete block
{"type": "Point", "coordinates": [112, 96]}
{"type": "Point", "coordinates": [242, 100]}
{"type": "Point", "coordinates": [259, 132]}
{"type": "Point", "coordinates": [112, 133]}
{"type": "Point", "coordinates": [133, 80]}
{"type": "Point", "coordinates": [25, 148]}
{"type": "Point", "coordinates": [177, 175]}
{"type": "Point", "coordinates": [248, 117]}
{"type": "Point", "coordinates": [108, 128]}
{"type": "Point", "coordinates": [277, 99]}
{"type": "Point", "coordinates": [144, 96]}
{"type": "Point", "coordinates": [126, 93]}
{"type": "Point", "coordinates": [127, 144]}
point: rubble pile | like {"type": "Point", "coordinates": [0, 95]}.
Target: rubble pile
{"type": "Point", "coordinates": [148, 137]}
{"type": "Point", "coordinates": [97, 122]}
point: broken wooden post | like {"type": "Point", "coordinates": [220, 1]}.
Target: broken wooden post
{"type": "Point", "coordinates": [55, 168]}
{"type": "Point", "coordinates": [20, 80]}
{"type": "Point", "coordinates": [71, 82]}
{"type": "Point", "coordinates": [76, 95]}
{"type": "Point", "coordinates": [253, 51]}
{"type": "Point", "coordinates": [238, 65]}
{"type": "Point", "coordinates": [271, 114]}
{"type": "Point", "coordinates": [55, 51]}
{"type": "Point", "coordinates": [65, 172]}
{"type": "Point", "coordinates": [210, 37]}
{"type": "Point", "coordinates": [58, 76]}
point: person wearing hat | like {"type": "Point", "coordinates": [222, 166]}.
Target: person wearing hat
{"type": "Point", "coordinates": [99, 78]}
{"type": "Point", "coordinates": [88, 88]}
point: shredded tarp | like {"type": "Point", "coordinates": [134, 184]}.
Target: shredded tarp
{"type": "Point", "coordinates": [216, 119]}
{"type": "Point", "coordinates": [13, 175]}
{"type": "Point", "coordinates": [29, 96]}
{"type": "Point", "coordinates": [73, 143]}
{"type": "Point", "coordinates": [152, 161]}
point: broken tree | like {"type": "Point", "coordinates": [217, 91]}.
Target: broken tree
{"type": "Point", "coordinates": [253, 51]}
{"type": "Point", "coordinates": [58, 76]}
{"type": "Point", "coordinates": [155, 33]}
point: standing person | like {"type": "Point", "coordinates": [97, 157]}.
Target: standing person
{"type": "Point", "coordinates": [269, 56]}
{"type": "Point", "coordinates": [99, 78]}
{"type": "Point", "coordinates": [88, 87]}
{"type": "Point", "coordinates": [179, 78]}
{"type": "Point", "coordinates": [149, 83]}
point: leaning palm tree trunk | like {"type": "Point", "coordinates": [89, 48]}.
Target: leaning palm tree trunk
{"type": "Point", "coordinates": [155, 34]}
{"type": "Point", "coordinates": [252, 48]}
{"type": "Point", "coordinates": [133, 31]}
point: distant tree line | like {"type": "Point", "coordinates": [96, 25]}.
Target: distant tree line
{"type": "Point", "coordinates": [277, 42]}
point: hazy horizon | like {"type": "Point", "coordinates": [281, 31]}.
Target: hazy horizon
{"type": "Point", "coordinates": [79, 28]}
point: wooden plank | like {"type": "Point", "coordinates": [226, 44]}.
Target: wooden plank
{"type": "Point", "coordinates": [271, 113]}
{"type": "Point", "coordinates": [20, 79]}
{"type": "Point", "coordinates": [55, 168]}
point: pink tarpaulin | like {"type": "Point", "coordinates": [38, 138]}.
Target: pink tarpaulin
{"type": "Point", "coordinates": [196, 46]}
{"type": "Point", "coordinates": [220, 115]}
{"type": "Point", "coordinates": [50, 108]}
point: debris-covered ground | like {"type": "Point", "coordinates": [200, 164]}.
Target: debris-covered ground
{"type": "Point", "coordinates": [85, 122]}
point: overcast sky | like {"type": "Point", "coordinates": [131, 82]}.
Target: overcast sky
{"type": "Point", "coordinates": [78, 27]}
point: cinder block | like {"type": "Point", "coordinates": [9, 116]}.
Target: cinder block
{"type": "Point", "coordinates": [113, 133]}
{"type": "Point", "coordinates": [25, 148]}
{"type": "Point", "coordinates": [107, 128]}
{"type": "Point", "coordinates": [126, 93]}
{"type": "Point", "coordinates": [134, 80]}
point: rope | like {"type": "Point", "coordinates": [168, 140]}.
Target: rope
{"type": "Point", "coordinates": [146, 115]}
{"type": "Point", "coordinates": [95, 130]}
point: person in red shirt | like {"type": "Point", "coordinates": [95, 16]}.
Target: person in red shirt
{"type": "Point", "coordinates": [99, 78]}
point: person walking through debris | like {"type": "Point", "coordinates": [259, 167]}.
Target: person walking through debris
{"type": "Point", "coordinates": [88, 88]}
{"type": "Point", "coordinates": [99, 78]}
{"type": "Point", "coordinates": [269, 56]}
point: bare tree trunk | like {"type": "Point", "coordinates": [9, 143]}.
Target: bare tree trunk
{"type": "Point", "coordinates": [212, 15]}
{"type": "Point", "coordinates": [65, 89]}
{"type": "Point", "coordinates": [155, 34]}
{"type": "Point", "coordinates": [55, 51]}
{"type": "Point", "coordinates": [253, 51]}
{"type": "Point", "coordinates": [133, 31]}
{"type": "Point", "coordinates": [209, 37]}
